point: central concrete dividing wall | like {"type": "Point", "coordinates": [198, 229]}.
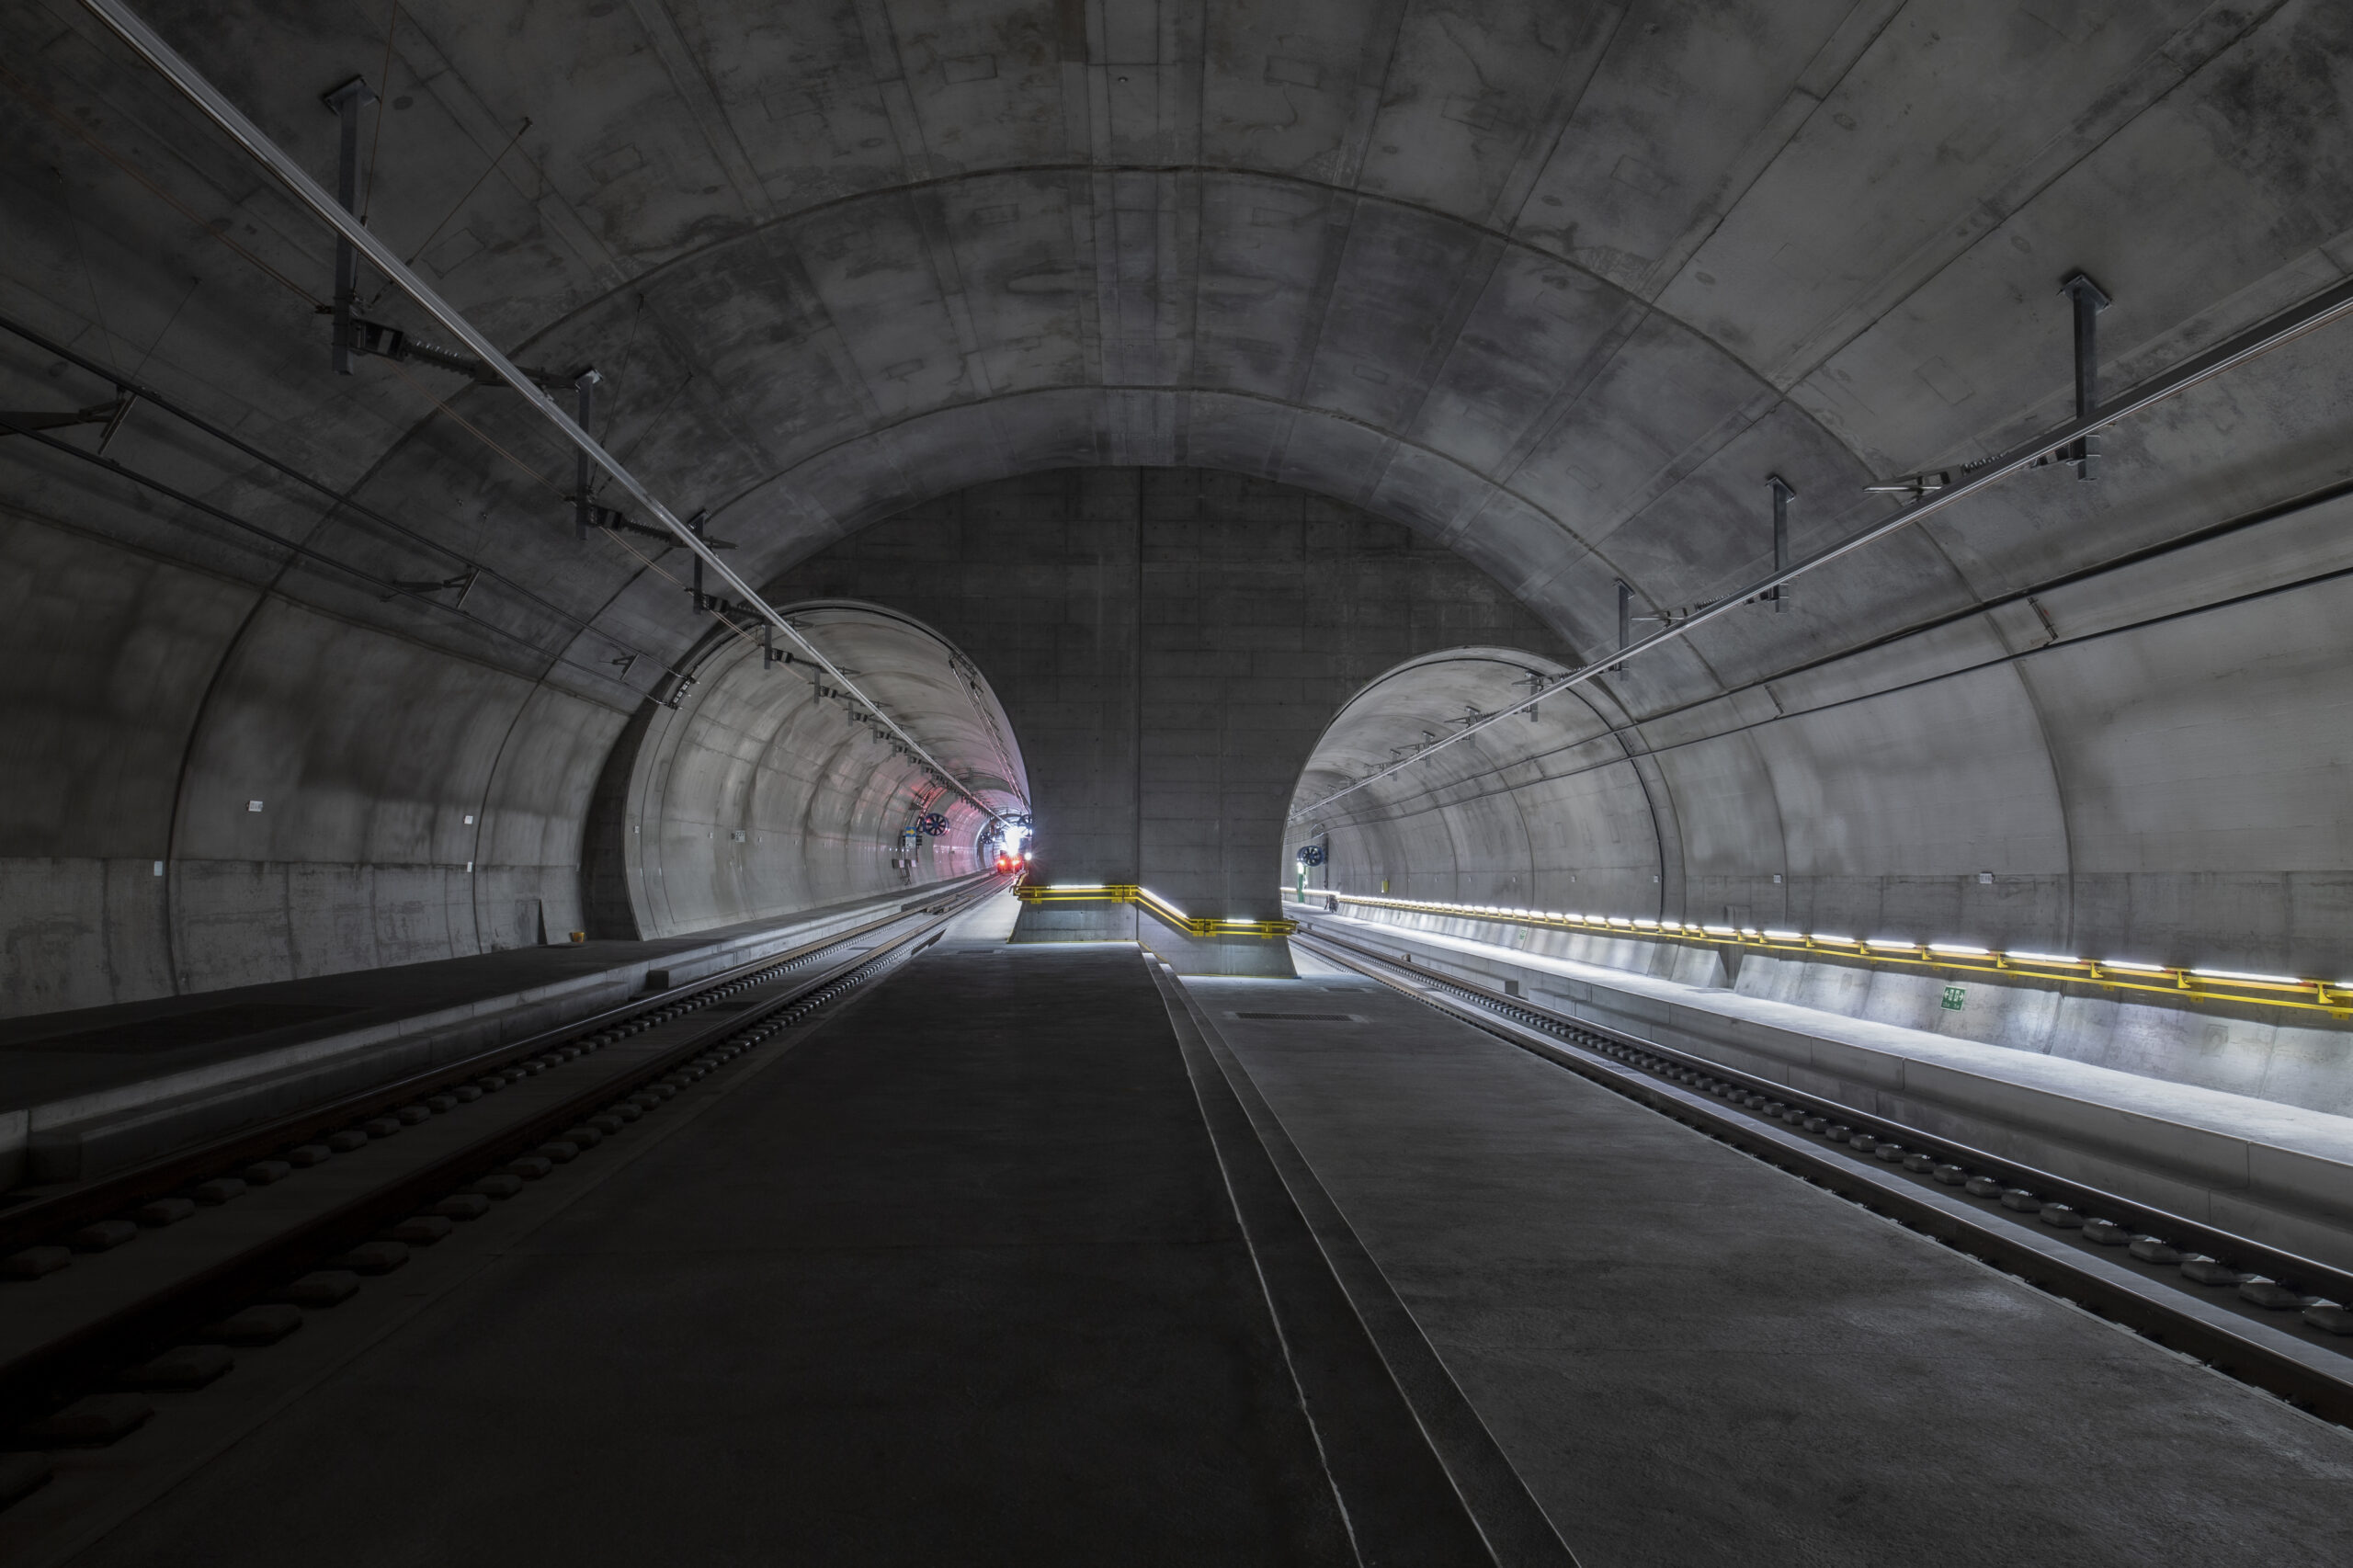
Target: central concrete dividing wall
{"type": "Point", "coordinates": [1169, 643]}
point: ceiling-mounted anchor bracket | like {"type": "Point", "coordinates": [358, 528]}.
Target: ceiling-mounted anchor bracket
{"type": "Point", "coordinates": [1783, 494]}
{"type": "Point", "coordinates": [344, 103]}
{"type": "Point", "coordinates": [2089, 299]}
{"type": "Point", "coordinates": [703, 603]}
{"type": "Point", "coordinates": [584, 403]}
{"type": "Point", "coordinates": [1625, 619]}
{"type": "Point", "coordinates": [770, 654]}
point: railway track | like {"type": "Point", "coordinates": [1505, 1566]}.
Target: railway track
{"type": "Point", "coordinates": [2282, 1322]}
{"type": "Point", "coordinates": [157, 1276]}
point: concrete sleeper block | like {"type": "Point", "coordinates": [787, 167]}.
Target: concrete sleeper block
{"type": "Point", "coordinates": [219, 1191]}
{"type": "Point", "coordinates": [90, 1422]}
{"type": "Point", "coordinates": [304, 1155]}
{"type": "Point", "coordinates": [264, 1324]}
{"type": "Point", "coordinates": [2330, 1317]}
{"type": "Point", "coordinates": [462, 1206]}
{"type": "Point", "coordinates": [186, 1366]}
{"type": "Point", "coordinates": [373, 1257]}
{"type": "Point", "coordinates": [2203, 1270]}
{"type": "Point", "coordinates": [2154, 1249]}
{"type": "Point", "coordinates": [325, 1287]}
{"type": "Point", "coordinates": [164, 1212]}
{"type": "Point", "coordinates": [498, 1185]}
{"type": "Point", "coordinates": [104, 1235]}
{"type": "Point", "coordinates": [264, 1173]}
{"type": "Point", "coordinates": [33, 1263]}
{"type": "Point", "coordinates": [420, 1230]}
{"type": "Point", "coordinates": [350, 1139]}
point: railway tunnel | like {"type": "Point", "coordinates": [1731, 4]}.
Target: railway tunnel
{"type": "Point", "coordinates": [1119, 781]}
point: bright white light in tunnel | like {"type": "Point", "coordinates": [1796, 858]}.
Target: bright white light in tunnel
{"type": "Point", "coordinates": [2040, 958]}
{"type": "Point", "coordinates": [1961, 948]}
{"type": "Point", "coordinates": [1819, 936]}
{"type": "Point", "coordinates": [1076, 887]}
{"type": "Point", "coordinates": [2234, 974]}
{"type": "Point", "coordinates": [1891, 942]}
{"type": "Point", "coordinates": [1644, 924]}
{"type": "Point", "coordinates": [1752, 931]}
{"type": "Point", "coordinates": [2128, 963]}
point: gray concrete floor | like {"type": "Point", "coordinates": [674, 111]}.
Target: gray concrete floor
{"type": "Point", "coordinates": [1693, 1358]}
{"type": "Point", "coordinates": [954, 1279]}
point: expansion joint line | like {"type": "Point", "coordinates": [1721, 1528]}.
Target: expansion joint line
{"type": "Point", "coordinates": [144, 40]}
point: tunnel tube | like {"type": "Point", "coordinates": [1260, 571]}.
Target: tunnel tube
{"type": "Point", "coordinates": [762, 793]}
{"type": "Point", "coordinates": [1979, 810]}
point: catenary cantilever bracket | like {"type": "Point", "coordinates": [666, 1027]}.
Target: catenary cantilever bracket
{"type": "Point", "coordinates": [346, 102]}
{"type": "Point", "coordinates": [2089, 299]}
{"type": "Point", "coordinates": [1782, 496]}
{"type": "Point", "coordinates": [144, 40]}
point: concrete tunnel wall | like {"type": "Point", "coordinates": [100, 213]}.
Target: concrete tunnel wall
{"type": "Point", "coordinates": [2159, 775]}
{"type": "Point", "coordinates": [1556, 292]}
{"type": "Point", "coordinates": [759, 796]}
{"type": "Point", "coordinates": [415, 803]}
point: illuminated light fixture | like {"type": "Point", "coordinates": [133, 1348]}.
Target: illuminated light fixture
{"type": "Point", "coordinates": [1891, 942]}
{"type": "Point", "coordinates": [1719, 930]}
{"type": "Point", "coordinates": [1645, 925]}
{"type": "Point", "coordinates": [2128, 963]}
{"type": "Point", "coordinates": [1752, 931]}
{"type": "Point", "coordinates": [2234, 974]}
{"type": "Point", "coordinates": [1781, 936]}
{"type": "Point", "coordinates": [1818, 936]}
{"type": "Point", "coordinates": [1620, 920]}
{"type": "Point", "coordinates": [1962, 947]}
{"type": "Point", "coordinates": [1077, 887]}
{"type": "Point", "coordinates": [2039, 958]}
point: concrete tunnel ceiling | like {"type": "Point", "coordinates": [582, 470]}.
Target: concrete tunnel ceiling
{"type": "Point", "coordinates": [1557, 285]}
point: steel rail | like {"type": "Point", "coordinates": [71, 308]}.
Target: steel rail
{"type": "Point", "coordinates": [2311, 1371]}
{"type": "Point", "coordinates": [50, 1214]}
{"type": "Point", "coordinates": [144, 40]}
{"type": "Point", "coordinates": [56, 1369]}
{"type": "Point", "coordinates": [2329, 305]}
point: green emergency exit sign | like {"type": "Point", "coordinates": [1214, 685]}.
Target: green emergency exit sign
{"type": "Point", "coordinates": [1955, 997]}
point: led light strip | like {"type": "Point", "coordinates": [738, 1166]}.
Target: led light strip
{"type": "Point", "coordinates": [2334, 996]}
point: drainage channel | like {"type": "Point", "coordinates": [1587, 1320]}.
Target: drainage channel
{"type": "Point", "coordinates": [2268, 1318]}
{"type": "Point", "coordinates": [303, 1228]}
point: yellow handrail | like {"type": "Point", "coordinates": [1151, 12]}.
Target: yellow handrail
{"type": "Point", "coordinates": [2312, 995]}
{"type": "Point", "coordinates": [1129, 893]}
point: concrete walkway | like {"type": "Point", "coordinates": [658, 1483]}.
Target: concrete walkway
{"type": "Point", "coordinates": [2278, 1173]}
{"type": "Point", "coordinates": [1692, 1358]}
